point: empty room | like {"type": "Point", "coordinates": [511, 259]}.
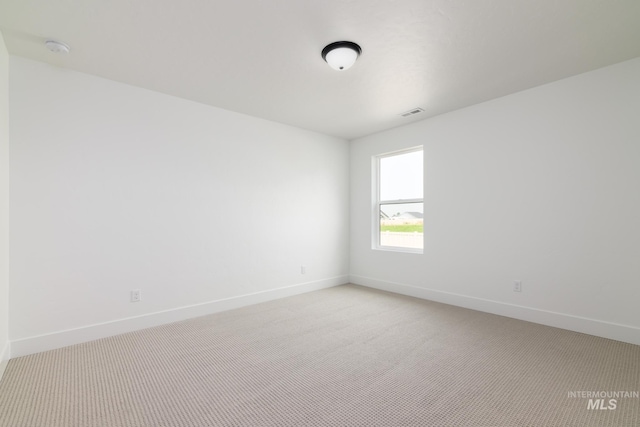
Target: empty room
{"type": "Point", "coordinates": [319, 213]}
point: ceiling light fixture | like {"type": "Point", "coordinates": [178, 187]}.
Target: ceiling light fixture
{"type": "Point", "coordinates": [341, 55]}
{"type": "Point", "coordinates": [56, 47]}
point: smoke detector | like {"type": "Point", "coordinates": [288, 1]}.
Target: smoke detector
{"type": "Point", "coordinates": [56, 47]}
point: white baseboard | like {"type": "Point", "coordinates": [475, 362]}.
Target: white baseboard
{"type": "Point", "coordinates": [584, 325]}
{"type": "Point", "coordinates": [5, 354]}
{"type": "Point", "coordinates": [36, 344]}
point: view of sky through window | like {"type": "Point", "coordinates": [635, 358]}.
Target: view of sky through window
{"type": "Point", "coordinates": [401, 176]}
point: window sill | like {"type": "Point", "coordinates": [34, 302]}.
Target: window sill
{"type": "Point", "coordinates": [399, 249]}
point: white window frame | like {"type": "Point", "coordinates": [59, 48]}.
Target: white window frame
{"type": "Point", "coordinates": [377, 202]}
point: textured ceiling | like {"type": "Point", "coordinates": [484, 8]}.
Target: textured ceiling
{"type": "Point", "coordinates": [262, 57]}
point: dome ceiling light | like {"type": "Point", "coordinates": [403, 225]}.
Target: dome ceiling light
{"type": "Point", "coordinates": [341, 55]}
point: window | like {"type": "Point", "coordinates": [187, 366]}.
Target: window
{"type": "Point", "coordinates": [399, 204]}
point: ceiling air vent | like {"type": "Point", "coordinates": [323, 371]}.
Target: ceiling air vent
{"type": "Point", "coordinates": [412, 112]}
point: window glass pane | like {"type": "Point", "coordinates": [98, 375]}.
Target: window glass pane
{"type": "Point", "coordinates": [401, 176]}
{"type": "Point", "coordinates": [401, 225]}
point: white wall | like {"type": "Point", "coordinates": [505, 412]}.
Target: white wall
{"type": "Point", "coordinates": [115, 188]}
{"type": "Point", "coordinates": [4, 206]}
{"type": "Point", "coordinates": [541, 186]}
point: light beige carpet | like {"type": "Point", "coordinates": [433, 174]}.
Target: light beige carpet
{"type": "Point", "coordinates": [345, 356]}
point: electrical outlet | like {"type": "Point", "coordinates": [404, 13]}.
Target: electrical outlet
{"type": "Point", "coordinates": [303, 269]}
{"type": "Point", "coordinates": [135, 295]}
{"type": "Point", "coordinates": [517, 286]}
